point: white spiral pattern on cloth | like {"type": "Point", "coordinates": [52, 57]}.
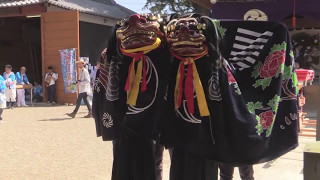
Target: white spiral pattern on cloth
{"type": "Point", "coordinates": [185, 115]}
{"type": "Point", "coordinates": [112, 89]}
{"type": "Point", "coordinates": [107, 120]}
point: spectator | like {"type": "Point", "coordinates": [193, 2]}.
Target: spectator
{"type": "Point", "coordinates": [84, 88]}
{"type": "Point", "coordinates": [22, 79]}
{"type": "Point", "coordinates": [2, 96]}
{"type": "Point", "coordinates": [50, 81]}
{"type": "Point", "coordinates": [10, 91]}
{"type": "Point", "coordinates": [37, 92]}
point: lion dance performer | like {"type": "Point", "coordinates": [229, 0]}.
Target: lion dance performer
{"type": "Point", "coordinates": [240, 109]}
{"type": "Point", "coordinates": [194, 45]}
{"type": "Point", "coordinates": [128, 93]}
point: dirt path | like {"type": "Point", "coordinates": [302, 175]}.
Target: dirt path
{"type": "Point", "coordinates": [43, 143]}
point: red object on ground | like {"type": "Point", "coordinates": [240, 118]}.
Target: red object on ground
{"type": "Point", "coordinates": [305, 74]}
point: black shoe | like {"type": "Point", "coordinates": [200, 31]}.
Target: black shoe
{"type": "Point", "coordinates": [72, 114]}
{"type": "Point", "coordinates": [10, 106]}
{"type": "Point", "coordinates": [89, 115]}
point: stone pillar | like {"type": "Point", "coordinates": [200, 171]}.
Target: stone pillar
{"type": "Point", "coordinates": [318, 129]}
{"type": "Point", "coordinates": [311, 163]}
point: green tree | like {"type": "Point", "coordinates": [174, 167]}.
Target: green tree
{"type": "Point", "coordinates": [176, 6]}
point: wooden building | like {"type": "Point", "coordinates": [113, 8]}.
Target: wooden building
{"type": "Point", "coordinates": [32, 32]}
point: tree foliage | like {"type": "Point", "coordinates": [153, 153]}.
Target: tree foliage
{"type": "Point", "coordinates": [166, 6]}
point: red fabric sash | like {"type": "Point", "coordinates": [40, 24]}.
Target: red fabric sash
{"type": "Point", "coordinates": [189, 80]}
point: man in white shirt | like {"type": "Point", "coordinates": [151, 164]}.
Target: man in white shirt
{"type": "Point", "coordinates": [84, 89]}
{"type": "Point", "coordinates": [50, 81]}
{"type": "Point", "coordinates": [10, 91]}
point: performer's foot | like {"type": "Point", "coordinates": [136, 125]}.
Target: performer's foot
{"type": "Point", "coordinates": [89, 115]}
{"type": "Point", "coordinates": [72, 114]}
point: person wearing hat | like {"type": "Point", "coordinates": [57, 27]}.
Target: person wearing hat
{"type": "Point", "coordinates": [84, 89]}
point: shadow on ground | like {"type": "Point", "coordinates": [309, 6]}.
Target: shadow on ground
{"type": "Point", "coordinates": [57, 119]}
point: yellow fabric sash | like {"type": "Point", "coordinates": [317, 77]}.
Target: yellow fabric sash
{"type": "Point", "coordinates": [134, 78]}
{"type": "Point", "coordinates": [202, 103]}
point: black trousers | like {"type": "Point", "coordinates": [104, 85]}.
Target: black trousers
{"type": "Point", "coordinates": [83, 96]}
{"type": "Point", "coordinates": [38, 98]}
{"type": "Point", "coordinates": [51, 94]}
{"type": "Point", "coordinates": [226, 172]}
{"type": "Point", "coordinates": [1, 111]}
{"type": "Point", "coordinates": [188, 166]}
{"type": "Point", "coordinates": [133, 158]}
{"type": "Point", "coordinates": [158, 157]}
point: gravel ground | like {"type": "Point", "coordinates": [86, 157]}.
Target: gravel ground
{"type": "Point", "coordinates": [43, 143]}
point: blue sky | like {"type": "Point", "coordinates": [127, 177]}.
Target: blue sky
{"type": "Point", "coordinates": [135, 5]}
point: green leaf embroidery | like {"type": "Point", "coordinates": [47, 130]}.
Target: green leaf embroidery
{"type": "Point", "coordinates": [221, 30]}
{"type": "Point", "coordinates": [258, 105]}
{"type": "Point", "coordinates": [253, 106]}
{"type": "Point", "coordinates": [262, 82]}
{"type": "Point", "coordinates": [258, 118]}
{"type": "Point", "coordinates": [258, 127]}
{"type": "Point", "coordinates": [268, 133]}
{"type": "Point", "coordinates": [280, 70]}
{"type": "Point", "coordinates": [273, 103]}
{"type": "Point", "coordinates": [295, 82]}
{"type": "Point", "coordinates": [216, 22]}
{"type": "Point", "coordinates": [291, 54]}
{"type": "Point", "coordinates": [287, 72]}
{"type": "Point", "coordinates": [294, 79]}
{"type": "Point", "coordinates": [279, 47]}
{"type": "Point", "coordinates": [256, 73]}
{"type": "Point", "coordinates": [237, 88]}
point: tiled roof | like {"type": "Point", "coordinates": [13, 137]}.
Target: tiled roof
{"type": "Point", "coordinates": [114, 11]}
{"type": "Point", "coordinates": [14, 3]}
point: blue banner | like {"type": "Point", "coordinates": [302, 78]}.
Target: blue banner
{"type": "Point", "coordinates": [68, 66]}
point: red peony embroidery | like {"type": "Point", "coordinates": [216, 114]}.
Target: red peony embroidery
{"type": "Point", "coordinates": [272, 64]}
{"type": "Point", "coordinates": [266, 119]}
